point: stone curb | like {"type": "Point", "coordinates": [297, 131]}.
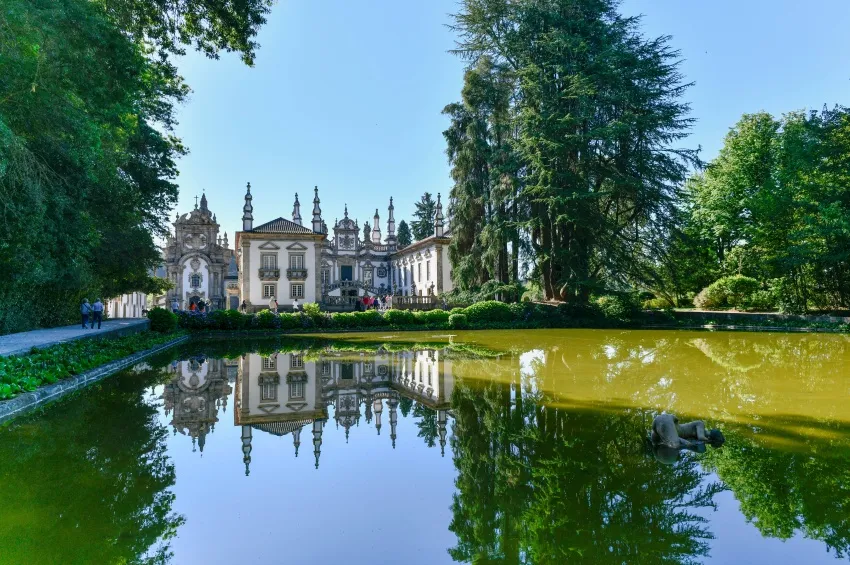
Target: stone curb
{"type": "Point", "coordinates": [23, 403]}
{"type": "Point", "coordinates": [742, 328]}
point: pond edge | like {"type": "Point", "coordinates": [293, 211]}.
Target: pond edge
{"type": "Point", "coordinates": [28, 401]}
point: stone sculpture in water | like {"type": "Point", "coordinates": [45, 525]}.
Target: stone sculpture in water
{"type": "Point", "coordinates": [668, 437]}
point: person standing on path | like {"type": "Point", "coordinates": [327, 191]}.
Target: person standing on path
{"type": "Point", "coordinates": [97, 313]}
{"type": "Point", "coordinates": [175, 306]}
{"type": "Point", "coordinates": [85, 310]}
{"type": "Point", "coordinates": [244, 307]}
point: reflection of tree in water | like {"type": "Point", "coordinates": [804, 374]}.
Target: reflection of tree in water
{"type": "Point", "coordinates": [404, 405]}
{"type": "Point", "coordinates": [783, 492]}
{"type": "Point", "coordinates": [427, 424]}
{"type": "Point", "coordinates": [544, 485]}
{"type": "Point", "coordinates": [96, 481]}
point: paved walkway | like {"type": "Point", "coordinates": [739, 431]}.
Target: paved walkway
{"type": "Point", "coordinates": [19, 343]}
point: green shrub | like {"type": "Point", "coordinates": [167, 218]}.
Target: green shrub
{"type": "Point", "coordinates": [266, 319]}
{"type": "Point", "coordinates": [344, 320]}
{"type": "Point", "coordinates": [458, 321]}
{"type": "Point", "coordinates": [619, 307]}
{"type": "Point", "coordinates": [315, 314]}
{"type": "Point", "coordinates": [657, 304]}
{"type": "Point", "coordinates": [733, 291]}
{"type": "Point", "coordinates": [287, 321]}
{"type": "Point", "coordinates": [431, 317]}
{"type": "Point", "coordinates": [490, 311]}
{"type": "Point", "coordinates": [162, 320]}
{"type": "Point", "coordinates": [368, 319]}
{"type": "Point", "coordinates": [762, 300]}
{"type": "Point", "coordinates": [229, 320]}
{"type": "Point", "coordinates": [399, 318]}
{"type": "Point", "coordinates": [739, 288]}
{"type": "Point", "coordinates": [438, 317]}
{"type": "Point", "coordinates": [712, 296]}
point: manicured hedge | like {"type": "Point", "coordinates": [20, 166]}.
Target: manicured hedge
{"type": "Point", "coordinates": [483, 315]}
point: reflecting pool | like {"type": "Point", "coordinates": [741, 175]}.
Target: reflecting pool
{"type": "Point", "coordinates": [480, 447]}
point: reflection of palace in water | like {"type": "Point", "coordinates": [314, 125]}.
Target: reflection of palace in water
{"type": "Point", "coordinates": [287, 393]}
{"type": "Point", "coordinates": [198, 389]}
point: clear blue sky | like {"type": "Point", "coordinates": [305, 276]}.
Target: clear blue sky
{"type": "Point", "coordinates": [347, 96]}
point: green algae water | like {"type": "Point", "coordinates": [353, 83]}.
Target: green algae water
{"type": "Point", "coordinates": [481, 447]}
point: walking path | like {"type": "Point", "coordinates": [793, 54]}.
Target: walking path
{"type": "Point", "coordinates": [20, 343]}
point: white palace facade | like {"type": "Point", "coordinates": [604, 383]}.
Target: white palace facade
{"type": "Point", "coordinates": [287, 260]}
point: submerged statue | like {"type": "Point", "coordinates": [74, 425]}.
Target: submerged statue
{"type": "Point", "coordinates": [669, 436]}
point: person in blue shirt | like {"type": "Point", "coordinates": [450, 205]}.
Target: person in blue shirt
{"type": "Point", "coordinates": [85, 310]}
{"type": "Point", "coordinates": [97, 311]}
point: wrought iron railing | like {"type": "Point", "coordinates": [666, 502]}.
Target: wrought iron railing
{"type": "Point", "coordinates": [296, 274]}
{"type": "Point", "coordinates": [269, 274]}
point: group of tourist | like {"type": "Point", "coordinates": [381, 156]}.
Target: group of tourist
{"type": "Point", "coordinates": [373, 302]}
{"type": "Point", "coordinates": [199, 306]}
{"type": "Point", "coordinates": [273, 305]}
{"type": "Point", "coordinates": [92, 311]}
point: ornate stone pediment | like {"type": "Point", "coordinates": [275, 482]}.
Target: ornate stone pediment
{"type": "Point", "coordinates": [297, 247]}
{"type": "Point", "coordinates": [268, 245]}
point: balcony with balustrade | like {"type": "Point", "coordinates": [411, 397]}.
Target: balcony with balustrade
{"type": "Point", "coordinates": [296, 274]}
{"type": "Point", "coordinates": [268, 274]}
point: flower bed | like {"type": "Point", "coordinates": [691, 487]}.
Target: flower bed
{"type": "Point", "coordinates": [24, 373]}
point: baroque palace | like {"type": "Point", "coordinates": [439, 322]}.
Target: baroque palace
{"type": "Point", "coordinates": [286, 260]}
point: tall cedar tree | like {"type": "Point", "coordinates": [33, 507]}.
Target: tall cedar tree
{"type": "Point", "coordinates": [484, 164]}
{"type": "Point", "coordinates": [404, 236]}
{"type": "Point", "coordinates": [597, 111]}
{"type": "Point", "coordinates": [423, 225]}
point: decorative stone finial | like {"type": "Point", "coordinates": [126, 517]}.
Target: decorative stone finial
{"type": "Point", "coordinates": [296, 211]}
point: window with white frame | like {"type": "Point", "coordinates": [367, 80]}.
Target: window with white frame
{"type": "Point", "coordinates": [268, 388]}
{"type": "Point", "coordinates": [268, 290]}
{"type": "Point", "coordinates": [326, 368]}
{"type": "Point", "coordinates": [296, 290]}
{"type": "Point", "coordinates": [368, 277]}
{"type": "Point", "coordinates": [428, 270]}
{"type": "Point", "coordinates": [296, 260]}
{"type": "Point", "coordinates": [296, 390]}
{"type": "Point", "coordinates": [269, 260]}
{"type": "Point", "coordinates": [326, 276]}
{"type": "Point", "coordinates": [296, 362]}
{"type": "Point", "coordinates": [269, 363]}
{"type": "Point", "coordinates": [419, 271]}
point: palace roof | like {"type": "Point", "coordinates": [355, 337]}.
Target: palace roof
{"type": "Point", "coordinates": [282, 225]}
